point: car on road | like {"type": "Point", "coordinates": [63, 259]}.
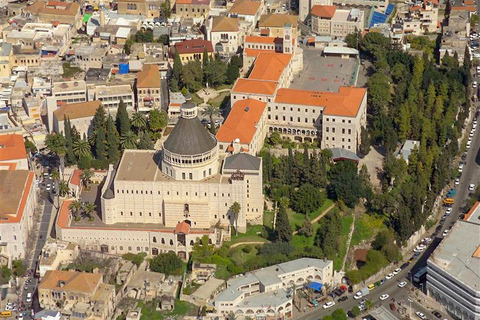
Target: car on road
{"type": "Point", "coordinates": [397, 271]}
{"type": "Point", "coordinates": [457, 181]}
{"type": "Point", "coordinates": [329, 304]}
{"type": "Point", "coordinates": [460, 167]}
{"type": "Point", "coordinates": [403, 266]}
{"type": "Point", "coordinates": [427, 240]}
{"type": "Point", "coordinates": [445, 232]}
{"type": "Point", "coordinates": [437, 314]}
{"type": "Point", "coordinates": [471, 135]}
{"type": "Point", "coordinates": [344, 298]}
{"type": "Point", "coordinates": [471, 187]}
{"type": "Point", "coordinates": [418, 249]}
{"type": "Point", "coordinates": [384, 297]}
{"type": "Point", "coordinates": [20, 316]}
{"type": "Point", "coordinates": [448, 211]}
{"type": "Point", "coordinates": [474, 84]}
{"type": "Point", "coordinates": [29, 297]}
{"type": "Point", "coordinates": [421, 315]}
{"type": "Point", "coordinates": [389, 276]}
{"type": "Point", "coordinates": [402, 284]}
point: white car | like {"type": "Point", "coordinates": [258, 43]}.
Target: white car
{"type": "Point", "coordinates": [445, 232]}
{"type": "Point", "coordinates": [357, 295]}
{"type": "Point", "coordinates": [389, 276]}
{"type": "Point", "coordinates": [402, 284]}
{"type": "Point", "coordinates": [460, 167]}
{"type": "Point", "coordinates": [384, 297]}
{"type": "Point", "coordinates": [48, 187]}
{"type": "Point", "coordinates": [457, 181]}
{"type": "Point", "coordinates": [20, 316]}
{"type": "Point", "coordinates": [471, 187]}
{"type": "Point", "coordinates": [397, 271]}
{"type": "Point", "coordinates": [427, 239]}
{"type": "Point", "coordinates": [418, 250]}
{"type": "Point", "coordinates": [329, 304]}
{"type": "Point", "coordinates": [471, 134]}
{"type": "Point", "coordinates": [448, 211]}
{"type": "Point", "coordinates": [421, 246]}
{"type": "Point", "coordinates": [468, 144]}
{"type": "Point", "coordinates": [421, 315]}
{"type": "Point", "coordinates": [474, 84]}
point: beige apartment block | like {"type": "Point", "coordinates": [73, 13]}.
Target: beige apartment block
{"type": "Point", "coordinates": [148, 84]}
{"type": "Point", "coordinates": [223, 32]}
{"type": "Point", "coordinates": [110, 96]}
{"type": "Point", "coordinates": [335, 22]}
{"type": "Point", "coordinates": [56, 253]}
{"type": "Point", "coordinates": [70, 91]}
{"type": "Point", "coordinates": [275, 23]}
{"type": "Point", "coordinates": [192, 8]}
{"type": "Point", "coordinates": [79, 114]}
{"type": "Point", "coordinates": [146, 8]}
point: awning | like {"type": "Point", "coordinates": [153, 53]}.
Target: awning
{"type": "Point", "coordinates": [317, 286]}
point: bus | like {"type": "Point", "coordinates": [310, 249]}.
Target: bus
{"type": "Point", "coordinates": [5, 314]}
{"type": "Point", "coordinates": [421, 275]}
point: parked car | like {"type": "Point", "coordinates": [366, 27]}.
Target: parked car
{"type": "Point", "coordinates": [445, 232]}
{"type": "Point", "coordinates": [436, 314]}
{"type": "Point", "coordinates": [471, 187]}
{"type": "Point", "coordinates": [329, 304]}
{"type": "Point", "coordinates": [344, 298]}
{"type": "Point", "coordinates": [402, 284]}
{"type": "Point", "coordinates": [389, 276]}
{"type": "Point", "coordinates": [397, 271]}
{"type": "Point", "coordinates": [384, 297]}
{"type": "Point", "coordinates": [421, 315]}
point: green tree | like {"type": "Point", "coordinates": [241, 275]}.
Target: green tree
{"type": "Point", "coordinates": [175, 82]}
{"type": "Point", "coordinates": [89, 209]}
{"type": "Point", "coordinates": [306, 199]}
{"type": "Point", "coordinates": [166, 9]}
{"type": "Point", "coordinates": [232, 74]}
{"type": "Point", "coordinates": [99, 119]}
{"type": "Point", "coordinates": [57, 145]}
{"type": "Point", "coordinates": [216, 72]}
{"type": "Point", "coordinates": [339, 314]}
{"type": "Point", "coordinates": [283, 230]}
{"type": "Point", "coordinates": [81, 148]}
{"type": "Point", "coordinates": [158, 120]}
{"type": "Point", "coordinates": [164, 39]}
{"type": "Point", "coordinates": [86, 177]}
{"type": "Point", "coordinates": [75, 208]}
{"type": "Point", "coordinates": [307, 228]}
{"type": "Point", "coordinates": [63, 188]}
{"type": "Point", "coordinates": [192, 76]}
{"type": "Point", "coordinates": [346, 184]}
{"type": "Point", "coordinates": [128, 140]}
{"type": "Point", "coordinates": [100, 147]}
{"type": "Point", "coordinates": [352, 40]}
{"type": "Point", "coordinates": [210, 111]}
{"type": "Point", "coordinates": [136, 259]}
{"type": "Point", "coordinates": [113, 142]}
{"type": "Point", "coordinates": [138, 121]}
{"type": "Point", "coordinates": [67, 129]}
{"type": "Point", "coordinates": [235, 208]}
{"type": "Point", "coordinates": [355, 311]}
{"type": "Point", "coordinates": [167, 263]}
{"type": "Point", "coordinates": [30, 146]}
{"type": "Point", "coordinates": [122, 120]}
{"type": "Point", "coordinates": [145, 142]}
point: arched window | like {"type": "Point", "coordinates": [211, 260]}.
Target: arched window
{"type": "Point", "coordinates": [186, 207]}
{"type": "Point", "coordinates": [154, 239]}
{"type": "Point", "coordinates": [163, 241]}
{"type": "Point", "coordinates": [171, 242]}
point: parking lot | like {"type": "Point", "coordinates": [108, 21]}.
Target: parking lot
{"type": "Point", "coordinates": [323, 73]}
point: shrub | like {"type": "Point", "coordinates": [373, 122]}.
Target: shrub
{"type": "Point", "coordinates": [247, 249]}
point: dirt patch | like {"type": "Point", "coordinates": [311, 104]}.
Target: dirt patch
{"type": "Point", "coordinates": [374, 163]}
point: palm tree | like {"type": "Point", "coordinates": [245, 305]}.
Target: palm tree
{"type": "Point", "coordinates": [63, 188]}
{"type": "Point", "coordinates": [236, 210]}
{"type": "Point", "coordinates": [211, 111]}
{"type": "Point", "coordinates": [75, 208]}
{"type": "Point", "coordinates": [81, 148]}
{"type": "Point", "coordinates": [89, 209]}
{"type": "Point", "coordinates": [128, 140]}
{"type": "Point", "coordinates": [139, 120]}
{"type": "Point", "coordinates": [86, 176]}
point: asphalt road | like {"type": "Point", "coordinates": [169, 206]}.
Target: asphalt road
{"type": "Point", "coordinates": [470, 174]}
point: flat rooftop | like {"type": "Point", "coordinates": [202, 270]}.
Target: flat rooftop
{"type": "Point", "coordinates": [459, 253]}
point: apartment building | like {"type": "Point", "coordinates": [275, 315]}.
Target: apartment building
{"type": "Point", "coordinates": [245, 128]}
{"type": "Point", "coordinates": [70, 91]}
{"type": "Point", "coordinates": [305, 6]}
{"type": "Point", "coordinates": [420, 19]}
{"type": "Point", "coordinates": [6, 59]}
{"type": "Point", "coordinates": [248, 10]}
{"type": "Point", "coordinates": [23, 57]}
{"type": "Point", "coordinates": [17, 208]}
{"type": "Point", "coordinates": [63, 12]}
{"type": "Point", "coordinates": [13, 155]}
{"type": "Point", "coordinates": [110, 96]}
{"type": "Point", "coordinates": [78, 294]}
{"type": "Point", "coordinates": [33, 107]}
{"type": "Point", "coordinates": [452, 269]}
{"type": "Point", "coordinates": [87, 57]}
{"type": "Point", "coordinates": [335, 22]}
{"type": "Point", "coordinates": [146, 8]}
{"type": "Point", "coordinates": [192, 8]}
{"type": "Point", "coordinates": [148, 87]}
{"type": "Point", "coordinates": [192, 50]}
{"type": "Point", "coordinates": [80, 115]}
{"type": "Point", "coordinates": [455, 35]}
{"type": "Point", "coordinates": [56, 253]}
{"type": "Point", "coordinates": [274, 25]}
{"type": "Point", "coordinates": [335, 119]}
{"type": "Point", "coordinates": [268, 292]}
{"type": "Point", "coordinates": [223, 32]}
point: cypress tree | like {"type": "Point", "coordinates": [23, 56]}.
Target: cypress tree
{"type": "Point", "coordinates": [100, 148]}
{"type": "Point", "coordinates": [283, 230]}
{"type": "Point", "coordinates": [176, 83]}
{"type": "Point", "coordinates": [99, 119]}
{"type": "Point", "coordinates": [113, 141]}
{"type": "Point", "coordinates": [67, 130]}
{"type": "Point", "coordinates": [145, 142]}
{"type": "Point", "coordinates": [122, 120]}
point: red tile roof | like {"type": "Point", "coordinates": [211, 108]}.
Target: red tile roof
{"type": "Point", "coordinates": [346, 102]}
{"type": "Point", "coordinates": [182, 227]}
{"type": "Point", "coordinates": [242, 121]}
{"type": "Point", "coordinates": [471, 211]}
{"type": "Point", "coordinates": [20, 194]}
{"type": "Point", "coordinates": [12, 147]}
{"type": "Point", "coordinates": [149, 77]}
{"type": "Point", "coordinates": [193, 46]}
{"type": "Point", "coordinates": [326, 12]}
{"type": "Point", "coordinates": [260, 39]}
{"type": "Point", "coordinates": [75, 179]}
{"type": "Point", "coordinates": [255, 87]}
{"type": "Point", "coordinates": [270, 66]}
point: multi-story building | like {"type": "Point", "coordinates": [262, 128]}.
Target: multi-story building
{"type": "Point", "coordinates": [70, 91]}
{"type": "Point", "coordinates": [245, 128]}
{"type": "Point", "coordinates": [248, 10]}
{"type": "Point", "coordinates": [452, 270]}
{"type": "Point", "coordinates": [146, 8]}
{"type": "Point", "coordinates": [17, 207]}
{"type": "Point", "coordinates": [87, 57]}
{"type": "Point", "coordinates": [224, 33]}
{"type": "Point", "coordinates": [79, 295]}
{"type": "Point", "coordinates": [110, 96]}
{"type": "Point", "coordinates": [192, 50]}
{"type": "Point", "coordinates": [331, 21]}
{"type": "Point", "coordinates": [192, 8]}
{"type": "Point", "coordinates": [149, 93]}
{"type": "Point", "coordinates": [173, 197]}
{"type": "Point", "coordinates": [33, 107]}
{"type": "Point", "coordinates": [268, 292]}
{"type": "Point", "coordinates": [63, 12]}
{"type": "Point", "coordinates": [6, 59]}
{"type": "Point", "coordinates": [56, 253]}
{"type": "Point", "coordinates": [79, 114]}
{"type": "Point", "coordinates": [305, 6]}
{"type": "Point", "coordinates": [420, 19]}
{"type": "Point", "coordinates": [455, 35]}
{"type": "Point", "coordinates": [275, 23]}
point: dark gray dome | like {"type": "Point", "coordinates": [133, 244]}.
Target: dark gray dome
{"type": "Point", "coordinates": [188, 105]}
{"type": "Point", "coordinates": [189, 137]}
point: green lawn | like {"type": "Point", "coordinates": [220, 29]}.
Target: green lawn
{"type": "Point", "coordinates": [268, 219]}
{"type": "Point", "coordinates": [346, 223]}
{"type": "Point", "coordinates": [224, 86]}
{"type": "Point", "coordinates": [250, 235]}
{"type": "Point", "coordinates": [239, 257]}
{"type": "Point", "coordinates": [182, 308]}
{"type": "Point", "coordinates": [196, 99]}
{"type": "Point", "coordinates": [366, 227]}
{"type": "Point", "coordinates": [218, 100]}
